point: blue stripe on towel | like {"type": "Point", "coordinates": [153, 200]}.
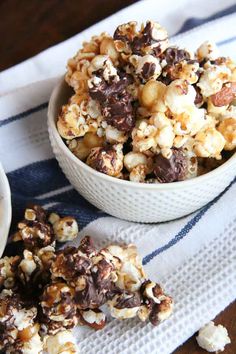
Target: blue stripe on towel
{"type": "Point", "coordinates": [227, 41]}
{"type": "Point", "coordinates": [24, 114]}
{"type": "Point", "coordinates": [37, 178]}
{"type": "Point", "coordinates": [187, 228]}
{"type": "Point", "coordinates": [30, 182]}
{"type": "Point", "coordinates": [195, 22]}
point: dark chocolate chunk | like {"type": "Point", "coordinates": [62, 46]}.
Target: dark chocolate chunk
{"type": "Point", "coordinates": [172, 169]}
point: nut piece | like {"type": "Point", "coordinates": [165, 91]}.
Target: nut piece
{"type": "Point", "coordinates": [213, 338]}
{"type": "Point", "coordinates": [95, 318]}
{"type": "Point", "coordinates": [108, 160]}
{"type": "Point", "coordinates": [61, 343]}
{"type": "Point", "coordinates": [225, 96]}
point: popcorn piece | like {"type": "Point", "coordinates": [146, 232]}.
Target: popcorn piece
{"type": "Point", "coordinates": [143, 136]}
{"type": "Point", "coordinates": [185, 70]}
{"type": "Point", "coordinates": [131, 273]}
{"type": "Point", "coordinates": [28, 342]}
{"type": "Point", "coordinates": [179, 96]}
{"type": "Point", "coordinates": [66, 229]}
{"type": "Point", "coordinates": [74, 120]}
{"type": "Point", "coordinates": [213, 338]}
{"type": "Point", "coordinates": [88, 292]}
{"type": "Point", "coordinates": [95, 319]}
{"type": "Point", "coordinates": [49, 327]}
{"type": "Point", "coordinates": [209, 143]}
{"type": "Point", "coordinates": [46, 256]}
{"type": "Point", "coordinates": [147, 67]}
{"type": "Point", "coordinates": [93, 289]}
{"type": "Point", "coordinates": [160, 312]}
{"type": "Point", "coordinates": [152, 96]}
{"type": "Point", "coordinates": [156, 306]}
{"type": "Point", "coordinates": [228, 129]}
{"type": "Point", "coordinates": [108, 160]}
{"type": "Point", "coordinates": [152, 291]}
{"type": "Point", "coordinates": [189, 122]}
{"type": "Point", "coordinates": [28, 266]}
{"type": "Point", "coordinates": [8, 269]}
{"type": "Point", "coordinates": [12, 312]}
{"type": "Point", "coordinates": [125, 305]}
{"type": "Point", "coordinates": [139, 165]}
{"type": "Point", "coordinates": [133, 159]}
{"type": "Point", "coordinates": [77, 68]}
{"type": "Point", "coordinates": [35, 233]}
{"type": "Point", "coordinates": [207, 50]}
{"type": "Point", "coordinates": [172, 169]}
{"type": "Point", "coordinates": [107, 47]}
{"type": "Point", "coordinates": [153, 39]}
{"type": "Point", "coordinates": [7, 337]}
{"type": "Point", "coordinates": [62, 343]}
{"type": "Point", "coordinates": [58, 304]}
{"type": "Point", "coordinates": [70, 263]}
{"type": "Point", "coordinates": [165, 133]}
{"type": "Point", "coordinates": [114, 136]}
{"type": "Point", "coordinates": [102, 62]}
{"type": "Point", "coordinates": [213, 78]}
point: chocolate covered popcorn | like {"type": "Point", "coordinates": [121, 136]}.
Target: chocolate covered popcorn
{"type": "Point", "coordinates": [46, 292]}
{"type": "Point", "coordinates": [138, 97]}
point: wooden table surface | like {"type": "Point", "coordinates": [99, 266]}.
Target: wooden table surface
{"type": "Point", "coordinates": [29, 26]}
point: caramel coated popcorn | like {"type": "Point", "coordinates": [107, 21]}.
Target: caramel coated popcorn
{"type": "Point", "coordinates": [46, 292]}
{"type": "Point", "coordinates": [136, 91]}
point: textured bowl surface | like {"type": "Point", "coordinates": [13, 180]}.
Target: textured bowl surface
{"type": "Point", "coordinates": [129, 200]}
{"type": "Point", "coordinates": [5, 209]}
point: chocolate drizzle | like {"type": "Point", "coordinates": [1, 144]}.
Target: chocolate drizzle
{"type": "Point", "coordinates": [115, 101]}
{"type": "Point", "coordinates": [148, 70]}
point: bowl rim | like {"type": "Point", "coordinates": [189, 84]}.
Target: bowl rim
{"type": "Point", "coordinates": [7, 214]}
{"type": "Point", "coordinates": [156, 186]}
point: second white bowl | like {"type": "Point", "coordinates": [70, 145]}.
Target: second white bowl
{"type": "Point", "coordinates": [5, 209]}
{"type": "Point", "coordinates": [129, 200]}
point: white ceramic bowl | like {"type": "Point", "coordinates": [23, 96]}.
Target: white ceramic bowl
{"type": "Point", "coordinates": [129, 200]}
{"type": "Point", "coordinates": [5, 209]}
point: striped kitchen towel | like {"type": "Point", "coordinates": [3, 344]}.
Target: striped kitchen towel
{"type": "Point", "coordinates": [193, 257]}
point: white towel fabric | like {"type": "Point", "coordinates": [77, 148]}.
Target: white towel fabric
{"type": "Point", "coordinates": [194, 258]}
